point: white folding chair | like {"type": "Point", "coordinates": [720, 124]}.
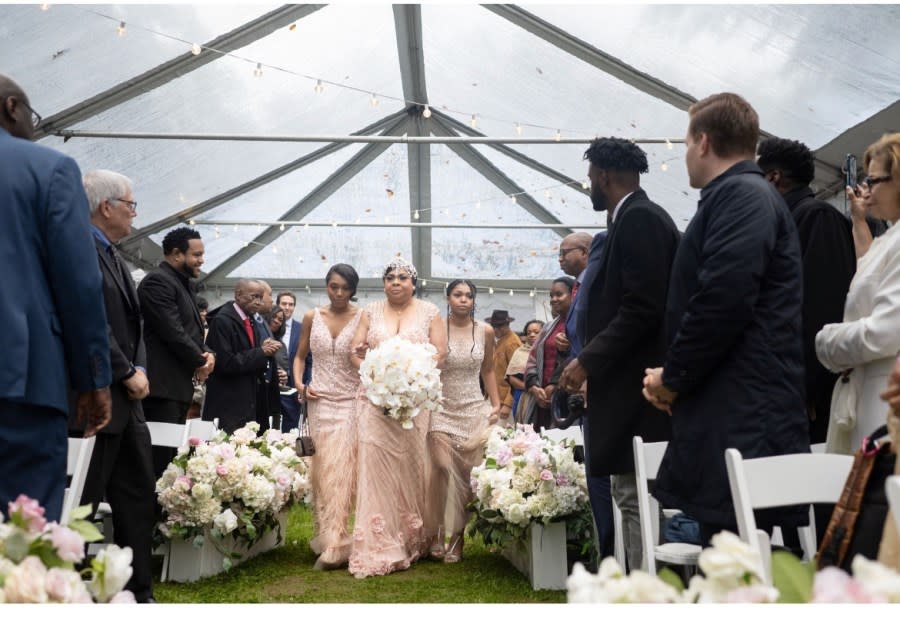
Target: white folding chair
{"type": "Point", "coordinates": [77, 462]}
{"type": "Point", "coordinates": [173, 435]}
{"type": "Point", "coordinates": [647, 458]}
{"type": "Point", "coordinates": [777, 481]}
{"type": "Point", "coordinates": [204, 430]}
{"type": "Point", "coordinates": [618, 537]}
{"type": "Point", "coordinates": [892, 488]}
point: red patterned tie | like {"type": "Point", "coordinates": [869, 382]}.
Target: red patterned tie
{"type": "Point", "coordinates": [249, 329]}
{"type": "Point", "coordinates": [575, 289]}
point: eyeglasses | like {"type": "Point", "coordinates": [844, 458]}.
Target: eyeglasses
{"type": "Point", "coordinates": [132, 205]}
{"type": "Point", "coordinates": [871, 182]}
{"type": "Point", "coordinates": [35, 117]}
{"type": "Point", "coordinates": [565, 251]}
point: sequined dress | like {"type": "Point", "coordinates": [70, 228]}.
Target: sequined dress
{"type": "Point", "coordinates": [388, 532]}
{"type": "Point", "coordinates": [457, 434]}
{"type": "Point", "coordinates": [332, 423]}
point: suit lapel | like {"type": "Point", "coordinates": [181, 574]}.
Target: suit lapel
{"type": "Point", "coordinates": [113, 270]}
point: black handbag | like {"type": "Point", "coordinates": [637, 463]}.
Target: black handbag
{"type": "Point", "coordinates": [305, 445]}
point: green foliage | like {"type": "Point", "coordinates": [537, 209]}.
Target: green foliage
{"type": "Point", "coordinates": [793, 578]}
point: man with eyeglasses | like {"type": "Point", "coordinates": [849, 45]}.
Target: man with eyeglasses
{"type": "Point", "coordinates": [55, 335]}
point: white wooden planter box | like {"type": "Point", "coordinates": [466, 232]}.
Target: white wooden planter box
{"type": "Point", "coordinates": [188, 563]}
{"type": "Point", "coordinates": [542, 556]}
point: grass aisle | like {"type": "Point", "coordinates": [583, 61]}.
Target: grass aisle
{"type": "Point", "coordinates": [286, 575]}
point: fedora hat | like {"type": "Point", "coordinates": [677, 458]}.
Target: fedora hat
{"type": "Point", "coordinates": [499, 317]}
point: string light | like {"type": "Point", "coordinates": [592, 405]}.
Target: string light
{"type": "Point", "coordinates": [319, 86]}
{"type": "Point", "coordinates": [416, 215]}
{"type": "Point", "coordinates": [491, 291]}
{"type": "Point", "coordinates": [426, 112]}
{"type": "Point", "coordinates": [45, 7]}
{"type": "Point", "coordinates": [510, 292]}
{"type": "Point", "coordinates": [668, 144]}
{"type": "Point", "coordinates": [474, 122]}
{"type": "Point", "coordinates": [196, 49]}
{"type": "Point", "coordinates": [558, 136]}
{"type": "Point", "coordinates": [216, 229]}
{"type": "Point", "coordinates": [192, 222]}
{"type": "Point", "coordinates": [274, 250]}
{"type": "Point", "coordinates": [512, 198]}
{"type": "Point", "coordinates": [258, 71]}
{"type": "Point", "coordinates": [308, 289]}
{"type": "Point", "coordinates": [121, 29]}
{"type": "Point", "coordinates": [424, 282]}
{"type": "Point", "coordinates": [519, 129]}
{"type": "Point", "coordinates": [585, 185]}
{"type": "Point", "coordinates": [281, 228]}
{"type": "Point", "coordinates": [664, 166]}
{"type": "Point", "coordinates": [531, 294]}
{"type": "Point", "coordinates": [374, 101]}
{"type": "Point", "coordinates": [235, 228]}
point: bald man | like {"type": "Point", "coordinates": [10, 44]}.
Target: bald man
{"type": "Point", "coordinates": [55, 333]}
{"type": "Point", "coordinates": [242, 356]}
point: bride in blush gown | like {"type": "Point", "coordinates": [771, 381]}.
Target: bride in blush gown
{"type": "Point", "coordinates": [331, 408]}
{"type": "Point", "coordinates": [388, 533]}
{"type": "Point", "coordinates": [459, 429]}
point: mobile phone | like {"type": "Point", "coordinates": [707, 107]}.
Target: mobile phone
{"type": "Point", "coordinates": [850, 171]}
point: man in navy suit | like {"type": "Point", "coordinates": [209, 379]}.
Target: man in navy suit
{"type": "Point", "coordinates": [121, 467]}
{"type": "Point", "coordinates": [290, 407]}
{"type": "Point", "coordinates": [55, 334]}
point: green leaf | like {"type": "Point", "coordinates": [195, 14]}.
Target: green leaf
{"type": "Point", "coordinates": [86, 530]}
{"type": "Point", "coordinates": [793, 578]}
{"type": "Point", "coordinates": [16, 547]}
{"type": "Point", "coordinates": [82, 511]}
{"type": "Point", "coordinates": [667, 575]}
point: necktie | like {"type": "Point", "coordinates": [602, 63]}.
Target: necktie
{"type": "Point", "coordinates": [249, 328]}
{"type": "Point", "coordinates": [575, 289]}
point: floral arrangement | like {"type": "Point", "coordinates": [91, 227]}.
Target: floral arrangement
{"type": "Point", "coordinates": [525, 478]}
{"type": "Point", "coordinates": [37, 559]}
{"type": "Point", "coordinates": [402, 377]}
{"type": "Point", "coordinates": [234, 485]}
{"type": "Point", "coordinates": [731, 572]}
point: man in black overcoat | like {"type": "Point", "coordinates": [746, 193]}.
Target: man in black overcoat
{"type": "Point", "coordinates": [623, 325]}
{"type": "Point", "coordinates": [733, 371]}
{"type": "Point", "coordinates": [121, 469]}
{"type": "Point", "coordinates": [242, 357]}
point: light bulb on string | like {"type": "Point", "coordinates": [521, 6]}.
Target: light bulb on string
{"type": "Point", "coordinates": [416, 215]}
{"type": "Point", "coordinates": [531, 294]}
{"type": "Point", "coordinates": [510, 292]}
{"type": "Point", "coordinates": [274, 250]}
{"type": "Point", "coordinates": [512, 198]}
{"type": "Point", "coordinates": [585, 185]}
{"type": "Point", "coordinates": [491, 291]}
{"type": "Point", "coordinates": [306, 225]}
{"type": "Point", "coordinates": [196, 49]}
{"type": "Point", "coordinates": [258, 71]}
{"type": "Point", "coordinates": [45, 7]}
{"type": "Point", "coordinates": [281, 228]}
{"type": "Point", "coordinates": [121, 29]}
{"type": "Point", "coordinates": [216, 229]}
{"type": "Point", "coordinates": [558, 136]}
{"type": "Point", "coordinates": [474, 122]}
{"type": "Point", "coordinates": [319, 86]}
{"type": "Point", "coordinates": [235, 228]}
{"type": "Point", "coordinates": [664, 166]}
{"type": "Point", "coordinates": [334, 224]}
{"type": "Point", "coordinates": [308, 289]}
{"type": "Point", "coordinates": [668, 144]}
{"type": "Point", "coordinates": [426, 112]}
{"type": "Point", "coordinates": [374, 101]}
{"type": "Point", "coordinates": [518, 129]}
{"type": "Point", "coordinates": [192, 222]}
{"type": "Point", "coordinates": [424, 282]}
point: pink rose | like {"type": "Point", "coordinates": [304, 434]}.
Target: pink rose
{"type": "Point", "coordinates": [25, 583]}
{"type": "Point", "coordinates": [546, 475]}
{"type": "Point", "coordinates": [125, 597]}
{"type": "Point", "coordinates": [221, 470]}
{"type": "Point", "coordinates": [561, 480]}
{"type": "Point", "coordinates": [30, 511]}
{"type": "Point", "coordinates": [185, 481]}
{"type": "Point", "coordinates": [69, 545]}
{"type": "Point", "coordinates": [833, 585]}
{"type": "Point", "coordinates": [195, 441]}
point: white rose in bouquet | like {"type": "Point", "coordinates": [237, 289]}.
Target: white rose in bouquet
{"type": "Point", "coordinates": [402, 378]}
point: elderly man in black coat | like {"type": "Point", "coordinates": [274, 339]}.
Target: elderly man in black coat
{"type": "Point", "coordinates": [733, 371]}
{"type": "Point", "coordinates": [623, 325]}
{"type": "Point", "coordinates": [242, 352]}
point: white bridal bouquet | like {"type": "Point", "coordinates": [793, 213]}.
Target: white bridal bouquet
{"type": "Point", "coordinates": [732, 574]}
{"type": "Point", "coordinates": [37, 559]}
{"type": "Point", "coordinates": [233, 484]}
{"type": "Point", "coordinates": [525, 478]}
{"type": "Point", "coordinates": [402, 377]}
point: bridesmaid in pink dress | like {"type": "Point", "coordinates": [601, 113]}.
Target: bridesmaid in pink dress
{"type": "Point", "coordinates": [388, 532]}
{"type": "Point", "coordinates": [331, 408]}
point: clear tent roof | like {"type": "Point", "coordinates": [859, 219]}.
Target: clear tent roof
{"type": "Point", "coordinates": [813, 72]}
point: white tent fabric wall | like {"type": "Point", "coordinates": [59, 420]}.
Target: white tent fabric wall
{"type": "Point", "coordinates": [824, 74]}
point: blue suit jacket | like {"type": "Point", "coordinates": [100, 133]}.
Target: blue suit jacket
{"type": "Point", "coordinates": [55, 332]}
{"type": "Point", "coordinates": [296, 328]}
{"type": "Point", "coordinates": [575, 321]}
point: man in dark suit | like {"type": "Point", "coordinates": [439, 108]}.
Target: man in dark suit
{"type": "Point", "coordinates": [55, 335]}
{"type": "Point", "coordinates": [234, 390]}
{"type": "Point", "coordinates": [173, 334]}
{"type": "Point", "coordinates": [121, 466]}
{"type": "Point", "coordinates": [733, 370]}
{"type": "Point", "coordinates": [623, 332]}
{"type": "Point", "coordinates": [268, 404]}
{"type": "Point", "coordinates": [829, 262]}
{"type": "Point", "coordinates": [290, 406]}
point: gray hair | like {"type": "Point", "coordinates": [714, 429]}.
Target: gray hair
{"type": "Point", "coordinates": [102, 185]}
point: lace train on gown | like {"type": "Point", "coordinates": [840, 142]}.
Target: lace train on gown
{"type": "Point", "coordinates": [388, 533]}
{"type": "Point", "coordinates": [332, 424]}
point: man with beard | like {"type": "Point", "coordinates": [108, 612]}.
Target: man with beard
{"type": "Point", "coordinates": [623, 329]}
{"type": "Point", "coordinates": [173, 334]}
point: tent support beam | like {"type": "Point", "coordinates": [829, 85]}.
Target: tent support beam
{"type": "Point", "coordinates": [499, 179]}
{"type": "Point", "coordinates": [312, 200]}
{"type": "Point", "coordinates": [124, 91]}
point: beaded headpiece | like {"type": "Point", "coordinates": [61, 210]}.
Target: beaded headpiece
{"type": "Point", "coordinates": [398, 263]}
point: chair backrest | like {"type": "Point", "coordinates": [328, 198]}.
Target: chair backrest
{"type": "Point", "coordinates": [168, 434]}
{"type": "Point", "coordinates": [204, 430]}
{"type": "Point", "coordinates": [777, 481]}
{"type": "Point", "coordinates": [77, 462]}
{"type": "Point", "coordinates": [892, 488]}
{"type": "Point", "coordinates": [572, 432]}
{"type": "Point", "coordinates": [647, 458]}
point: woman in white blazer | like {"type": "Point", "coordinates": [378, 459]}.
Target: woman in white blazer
{"type": "Point", "coordinates": [864, 347]}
